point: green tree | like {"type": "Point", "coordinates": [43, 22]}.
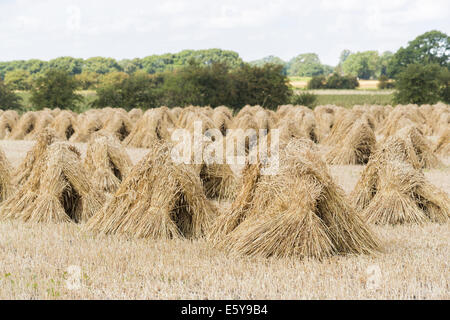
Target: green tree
{"type": "Point", "coordinates": [305, 65]}
{"type": "Point", "coordinates": [70, 65]}
{"type": "Point", "coordinates": [444, 78]}
{"type": "Point", "coordinates": [317, 82]}
{"type": "Point", "coordinates": [384, 83]}
{"type": "Point", "coordinates": [334, 81]}
{"type": "Point", "coordinates": [421, 84]}
{"type": "Point", "coordinates": [344, 55]}
{"type": "Point", "coordinates": [171, 61]}
{"type": "Point", "coordinates": [385, 59]}
{"type": "Point", "coordinates": [272, 60]}
{"type": "Point", "coordinates": [101, 65]}
{"type": "Point", "coordinates": [139, 90]}
{"type": "Point", "coordinates": [18, 80]}
{"type": "Point", "coordinates": [306, 99]}
{"type": "Point", "coordinates": [8, 99]}
{"type": "Point", "coordinates": [197, 84]}
{"type": "Point", "coordinates": [113, 78]}
{"type": "Point", "coordinates": [88, 80]}
{"type": "Point", "coordinates": [55, 89]}
{"type": "Point", "coordinates": [130, 66]}
{"type": "Point", "coordinates": [364, 65]}
{"type": "Point", "coordinates": [428, 48]}
{"type": "Point", "coordinates": [266, 86]}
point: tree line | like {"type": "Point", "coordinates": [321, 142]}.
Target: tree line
{"type": "Point", "coordinates": [212, 85]}
{"type": "Point", "coordinates": [217, 77]}
{"type": "Point", "coordinates": [432, 46]}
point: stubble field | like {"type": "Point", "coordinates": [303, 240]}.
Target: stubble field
{"type": "Point", "coordinates": [59, 261]}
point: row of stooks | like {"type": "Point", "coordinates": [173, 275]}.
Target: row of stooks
{"type": "Point", "coordinates": [300, 211]}
{"type": "Point", "coordinates": [333, 126]}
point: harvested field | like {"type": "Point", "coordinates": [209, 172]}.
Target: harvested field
{"type": "Point", "coordinates": [90, 217]}
{"type": "Point", "coordinates": [38, 260]}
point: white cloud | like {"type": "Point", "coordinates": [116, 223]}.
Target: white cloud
{"type": "Point", "coordinates": [255, 28]}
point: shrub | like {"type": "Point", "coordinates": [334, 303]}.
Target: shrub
{"type": "Point", "coordinates": [266, 86]}
{"type": "Point", "coordinates": [139, 90]}
{"type": "Point", "coordinates": [335, 81]}
{"type": "Point", "coordinates": [422, 84]}
{"type": "Point", "coordinates": [18, 80]}
{"type": "Point", "coordinates": [444, 78]}
{"type": "Point", "coordinates": [197, 84]}
{"type": "Point", "coordinates": [55, 89]}
{"type": "Point", "coordinates": [317, 82]}
{"type": "Point", "coordinates": [384, 83]}
{"type": "Point", "coordinates": [8, 99]}
{"type": "Point", "coordinates": [306, 99]}
{"type": "Point", "coordinates": [212, 85]}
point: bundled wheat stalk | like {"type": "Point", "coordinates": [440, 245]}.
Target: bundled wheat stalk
{"type": "Point", "coordinates": [58, 190]}
{"type": "Point", "coordinates": [64, 124]}
{"type": "Point", "coordinates": [443, 144]}
{"type": "Point", "coordinates": [23, 172]}
{"type": "Point", "coordinates": [153, 127]}
{"type": "Point", "coordinates": [306, 214]}
{"type": "Point", "coordinates": [135, 114]}
{"type": "Point", "coordinates": [414, 137]}
{"type": "Point", "coordinates": [219, 181]}
{"type": "Point", "coordinates": [403, 116]}
{"type": "Point", "coordinates": [6, 184]}
{"type": "Point", "coordinates": [355, 148]}
{"type": "Point", "coordinates": [118, 124]}
{"type": "Point", "coordinates": [25, 126]}
{"type": "Point", "coordinates": [158, 199]}
{"type": "Point", "coordinates": [377, 113]}
{"type": "Point", "coordinates": [343, 123]}
{"type": "Point", "coordinates": [403, 195]}
{"type": "Point", "coordinates": [86, 124]}
{"type": "Point", "coordinates": [393, 149]}
{"type": "Point", "coordinates": [44, 119]}
{"type": "Point", "coordinates": [107, 162]}
{"type": "Point", "coordinates": [8, 121]}
{"type": "Point", "coordinates": [297, 122]}
{"type": "Point", "coordinates": [222, 118]}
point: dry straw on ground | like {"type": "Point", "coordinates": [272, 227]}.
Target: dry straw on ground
{"type": "Point", "coordinates": [157, 200]}
{"type": "Point", "coordinates": [106, 162]}
{"type": "Point", "coordinates": [306, 215]}
{"type": "Point", "coordinates": [57, 190]}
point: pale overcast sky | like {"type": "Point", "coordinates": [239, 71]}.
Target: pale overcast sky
{"type": "Point", "coordinates": [47, 29]}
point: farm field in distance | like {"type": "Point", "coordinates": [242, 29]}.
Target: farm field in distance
{"type": "Point", "coordinates": [343, 98]}
{"type": "Point", "coordinates": [302, 82]}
